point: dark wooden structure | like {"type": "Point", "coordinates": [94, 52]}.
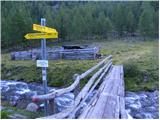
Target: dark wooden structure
{"type": "Point", "coordinates": [107, 102]}
{"type": "Point", "coordinates": [70, 52]}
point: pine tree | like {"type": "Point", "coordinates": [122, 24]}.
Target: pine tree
{"type": "Point", "coordinates": [146, 23]}
{"type": "Point", "coordinates": [130, 21]}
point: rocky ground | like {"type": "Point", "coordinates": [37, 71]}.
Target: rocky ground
{"type": "Point", "coordinates": [143, 105]}
{"type": "Point", "coordinates": [140, 105]}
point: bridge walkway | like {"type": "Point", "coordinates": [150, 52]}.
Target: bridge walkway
{"type": "Point", "coordinates": [108, 102]}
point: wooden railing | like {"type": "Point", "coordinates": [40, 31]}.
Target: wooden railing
{"type": "Point", "coordinates": [80, 96]}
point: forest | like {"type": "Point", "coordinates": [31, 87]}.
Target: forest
{"type": "Point", "coordinates": [78, 20]}
{"type": "Point", "coordinates": [127, 30]}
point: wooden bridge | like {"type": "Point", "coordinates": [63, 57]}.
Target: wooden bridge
{"type": "Point", "coordinates": [107, 102]}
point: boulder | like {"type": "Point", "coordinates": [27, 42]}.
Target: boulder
{"type": "Point", "coordinates": [32, 107]}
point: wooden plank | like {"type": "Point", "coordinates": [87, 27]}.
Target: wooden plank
{"type": "Point", "coordinates": [114, 106]}
{"type": "Point", "coordinates": [77, 88]}
{"type": "Point", "coordinates": [65, 113]}
{"type": "Point", "coordinates": [123, 114]}
{"type": "Point", "coordinates": [92, 103]}
{"type": "Point", "coordinates": [99, 108]}
{"type": "Point", "coordinates": [92, 79]}
{"type": "Point", "coordinates": [95, 67]}
{"type": "Point", "coordinates": [70, 88]}
{"type": "Point", "coordinates": [108, 106]}
{"type": "Point", "coordinates": [78, 98]}
{"type": "Point", "coordinates": [91, 90]}
{"type": "Point", "coordinates": [111, 110]}
{"type": "Point", "coordinates": [90, 106]}
{"type": "Point", "coordinates": [56, 92]}
{"type": "Point", "coordinates": [52, 107]}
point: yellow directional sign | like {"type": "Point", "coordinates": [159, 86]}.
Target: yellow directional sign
{"type": "Point", "coordinates": [41, 35]}
{"type": "Point", "coordinates": [43, 29]}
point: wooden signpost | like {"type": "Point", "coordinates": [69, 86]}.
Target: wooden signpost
{"type": "Point", "coordinates": [40, 35]}
{"type": "Point", "coordinates": [43, 29]}
{"type": "Point", "coordinates": [46, 32]}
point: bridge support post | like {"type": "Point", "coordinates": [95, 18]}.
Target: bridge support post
{"type": "Point", "coordinates": [52, 106]}
{"type": "Point", "coordinates": [77, 88]}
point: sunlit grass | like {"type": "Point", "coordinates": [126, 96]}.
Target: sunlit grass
{"type": "Point", "coordinates": [142, 54]}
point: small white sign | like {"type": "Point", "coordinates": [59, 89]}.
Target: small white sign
{"type": "Point", "coordinates": [42, 63]}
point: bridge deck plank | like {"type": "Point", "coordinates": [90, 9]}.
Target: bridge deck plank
{"type": "Point", "coordinates": [108, 105]}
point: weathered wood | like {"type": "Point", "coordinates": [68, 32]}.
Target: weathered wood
{"type": "Point", "coordinates": [60, 115]}
{"type": "Point", "coordinates": [77, 88]}
{"type": "Point", "coordinates": [107, 66]}
{"type": "Point", "coordinates": [109, 103]}
{"type": "Point", "coordinates": [56, 92]}
{"type": "Point", "coordinates": [70, 88]}
{"type": "Point", "coordinates": [52, 106]}
{"type": "Point", "coordinates": [123, 113]}
{"type": "Point", "coordinates": [65, 113]}
{"type": "Point", "coordinates": [57, 53]}
{"type": "Point", "coordinates": [112, 105]}
{"type": "Point", "coordinates": [90, 106]}
{"type": "Point", "coordinates": [92, 79]}
{"type": "Point", "coordinates": [95, 67]}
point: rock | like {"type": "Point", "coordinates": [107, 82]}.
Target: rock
{"type": "Point", "coordinates": [146, 115]}
{"type": "Point", "coordinates": [32, 107]}
{"type": "Point", "coordinates": [17, 116]}
{"type": "Point", "coordinates": [138, 116]}
{"type": "Point", "coordinates": [1, 107]}
{"type": "Point", "coordinates": [132, 95]}
{"type": "Point", "coordinates": [143, 104]}
{"type": "Point", "coordinates": [23, 103]}
{"type": "Point", "coordinates": [156, 93]}
{"type": "Point", "coordinates": [13, 103]}
{"type": "Point", "coordinates": [136, 105]}
{"type": "Point", "coordinates": [155, 115]}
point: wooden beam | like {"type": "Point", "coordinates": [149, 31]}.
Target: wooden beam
{"type": "Point", "coordinates": [107, 66]}
{"type": "Point", "coordinates": [70, 88]}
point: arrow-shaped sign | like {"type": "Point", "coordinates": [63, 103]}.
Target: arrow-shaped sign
{"type": "Point", "coordinates": [41, 35]}
{"type": "Point", "coordinates": [43, 29]}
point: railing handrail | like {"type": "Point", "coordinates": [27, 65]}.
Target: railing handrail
{"type": "Point", "coordinates": [83, 94]}
{"type": "Point", "coordinates": [59, 92]}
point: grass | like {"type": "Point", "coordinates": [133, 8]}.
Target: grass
{"type": "Point", "coordinates": [13, 110]}
{"type": "Point", "coordinates": [59, 73]}
{"type": "Point", "coordinates": [9, 110]}
{"type": "Point", "coordinates": [140, 60]}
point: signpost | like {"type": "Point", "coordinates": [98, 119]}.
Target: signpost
{"type": "Point", "coordinates": [44, 73]}
{"type": "Point", "coordinates": [44, 29]}
{"type": "Point", "coordinates": [40, 35]}
{"type": "Point", "coordinates": [46, 33]}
